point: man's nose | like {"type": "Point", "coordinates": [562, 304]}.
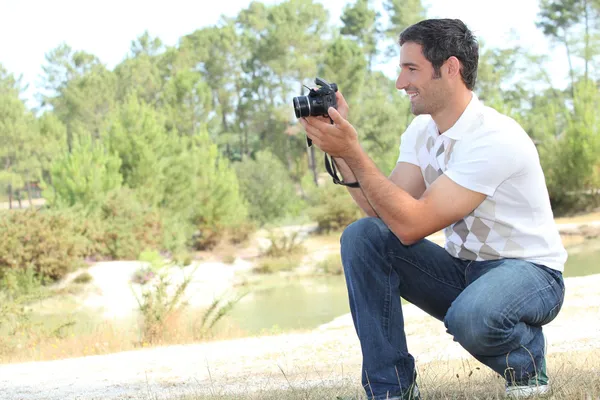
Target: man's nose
{"type": "Point", "coordinates": [401, 83]}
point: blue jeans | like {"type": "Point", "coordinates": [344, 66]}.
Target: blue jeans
{"type": "Point", "coordinates": [494, 309]}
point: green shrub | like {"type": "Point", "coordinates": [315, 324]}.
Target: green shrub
{"type": "Point", "coordinates": [46, 241]}
{"type": "Point", "coordinates": [159, 305]}
{"type": "Point", "coordinates": [83, 176]}
{"type": "Point", "coordinates": [83, 277]}
{"type": "Point", "coordinates": [333, 208]}
{"type": "Point", "coordinates": [20, 282]}
{"type": "Point", "coordinates": [266, 184]}
{"type": "Point", "coordinates": [203, 190]}
{"type": "Point", "coordinates": [284, 244]}
{"type": "Point", "coordinates": [332, 265]}
{"type": "Point", "coordinates": [271, 265]}
{"type": "Point", "coordinates": [129, 226]}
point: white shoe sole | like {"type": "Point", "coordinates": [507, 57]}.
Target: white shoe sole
{"type": "Point", "coordinates": [522, 392]}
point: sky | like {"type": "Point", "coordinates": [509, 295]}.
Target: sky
{"type": "Point", "coordinates": [31, 28]}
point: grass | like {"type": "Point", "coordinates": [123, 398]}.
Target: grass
{"type": "Point", "coordinates": [586, 217]}
{"type": "Point", "coordinates": [57, 336]}
{"type": "Point", "coordinates": [574, 375]}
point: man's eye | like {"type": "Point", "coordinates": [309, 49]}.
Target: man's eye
{"type": "Point", "coordinates": [412, 69]}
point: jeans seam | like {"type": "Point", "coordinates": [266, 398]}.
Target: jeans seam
{"type": "Point", "coordinates": [466, 270]}
{"type": "Point", "coordinates": [386, 306]}
{"type": "Point", "coordinates": [423, 271]}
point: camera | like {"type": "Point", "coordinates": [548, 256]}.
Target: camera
{"type": "Point", "coordinates": [318, 101]}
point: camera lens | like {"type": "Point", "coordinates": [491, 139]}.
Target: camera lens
{"type": "Point", "coordinates": [301, 106]}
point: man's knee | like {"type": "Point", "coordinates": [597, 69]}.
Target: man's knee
{"type": "Point", "coordinates": [363, 230]}
{"type": "Point", "coordinates": [475, 327]}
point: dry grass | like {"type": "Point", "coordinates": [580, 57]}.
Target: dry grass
{"type": "Point", "coordinates": [84, 336]}
{"type": "Point", "coordinates": [573, 376]}
{"type": "Point", "coordinates": [587, 217]}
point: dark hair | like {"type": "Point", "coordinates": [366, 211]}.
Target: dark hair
{"type": "Point", "coordinates": [442, 39]}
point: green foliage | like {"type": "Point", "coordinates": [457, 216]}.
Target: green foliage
{"type": "Point", "coordinates": [83, 278]}
{"type": "Point", "coordinates": [571, 161]}
{"type": "Point", "coordinates": [283, 244]}
{"type": "Point", "coordinates": [360, 23]}
{"type": "Point", "coordinates": [332, 265]}
{"type": "Point", "coordinates": [139, 137]}
{"type": "Point", "coordinates": [380, 119]}
{"type": "Point", "coordinates": [218, 309]}
{"type": "Point", "coordinates": [271, 265]}
{"type": "Point", "coordinates": [20, 137]}
{"type": "Point", "coordinates": [83, 176]}
{"type": "Point", "coordinates": [44, 241]}
{"type": "Point", "coordinates": [20, 282]}
{"type": "Point", "coordinates": [161, 301]}
{"type": "Point", "coordinates": [268, 188]}
{"type": "Point", "coordinates": [211, 193]}
{"type": "Point", "coordinates": [129, 226]}
{"type": "Point", "coordinates": [332, 208]}
{"type": "Point", "coordinates": [345, 65]}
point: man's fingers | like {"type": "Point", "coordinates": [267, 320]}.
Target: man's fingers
{"type": "Point", "coordinates": [336, 117]}
{"type": "Point", "coordinates": [311, 131]}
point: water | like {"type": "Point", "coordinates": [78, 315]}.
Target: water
{"type": "Point", "coordinates": [284, 303]}
{"type": "Point", "coordinates": [584, 259]}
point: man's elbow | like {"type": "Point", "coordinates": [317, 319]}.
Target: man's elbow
{"type": "Point", "coordinates": [408, 236]}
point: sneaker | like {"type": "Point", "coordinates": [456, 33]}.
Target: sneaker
{"type": "Point", "coordinates": [537, 385]}
{"type": "Point", "coordinates": [412, 394]}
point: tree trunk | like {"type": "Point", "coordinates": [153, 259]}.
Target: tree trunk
{"type": "Point", "coordinates": [587, 38]}
{"type": "Point", "coordinates": [571, 73]}
{"type": "Point", "coordinates": [10, 197]}
{"type": "Point", "coordinates": [312, 165]}
{"type": "Point", "coordinates": [28, 186]}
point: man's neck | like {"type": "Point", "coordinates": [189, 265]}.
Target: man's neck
{"type": "Point", "coordinates": [447, 117]}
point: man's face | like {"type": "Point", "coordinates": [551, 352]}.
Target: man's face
{"type": "Point", "coordinates": [428, 94]}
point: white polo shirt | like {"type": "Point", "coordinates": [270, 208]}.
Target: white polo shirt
{"type": "Point", "coordinates": [490, 153]}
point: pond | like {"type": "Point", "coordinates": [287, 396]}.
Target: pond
{"type": "Point", "coordinates": [284, 303]}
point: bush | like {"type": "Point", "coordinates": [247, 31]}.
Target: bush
{"type": "Point", "coordinates": [283, 245]}
{"type": "Point", "coordinates": [84, 277]}
{"type": "Point", "coordinates": [46, 241]}
{"type": "Point", "coordinates": [332, 265]}
{"type": "Point", "coordinates": [332, 208]}
{"type": "Point", "coordinates": [159, 305]}
{"type": "Point", "coordinates": [266, 184]}
{"type": "Point", "coordinates": [203, 189]}
{"type": "Point", "coordinates": [271, 265]}
{"type": "Point", "coordinates": [83, 176]}
{"type": "Point", "coordinates": [129, 226]}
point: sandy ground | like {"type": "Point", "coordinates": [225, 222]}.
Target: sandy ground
{"type": "Point", "coordinates": [330, 353]}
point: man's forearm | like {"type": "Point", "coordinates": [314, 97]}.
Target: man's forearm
{"type": "Point", "coordinates": [356, 193]}
{"type": "Point", "coordinates": [393, 205]}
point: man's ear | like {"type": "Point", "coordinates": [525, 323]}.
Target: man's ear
{"type": "Point", "coordinates": [453, 66]}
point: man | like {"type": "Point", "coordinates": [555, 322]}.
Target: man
{"type": "Point", "coordinates": [474, 173]}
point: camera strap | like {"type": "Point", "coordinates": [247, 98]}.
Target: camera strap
{"type": "Point", "coordinates": [330, 166]}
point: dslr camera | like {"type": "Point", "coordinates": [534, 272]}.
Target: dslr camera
{"type": "Point", "coordinates": [317, 102]}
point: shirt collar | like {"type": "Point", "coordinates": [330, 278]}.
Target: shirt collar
{"type": "Point", "coordinates": [464, 123]}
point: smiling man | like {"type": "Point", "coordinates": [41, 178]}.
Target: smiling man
{"type": "Point", "coordinates": [473, 172]}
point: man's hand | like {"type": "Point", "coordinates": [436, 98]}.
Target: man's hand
{"type": "Point", "coordinates": [337, 140]}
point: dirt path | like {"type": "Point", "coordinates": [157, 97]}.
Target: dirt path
{"type": "Point", "coordinates": [327, 354]}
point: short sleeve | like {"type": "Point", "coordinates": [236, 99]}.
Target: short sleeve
{"type": "Point", "coordinates": [408, 141]}
{"type": "Point", "coordinates": [484, 163]}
